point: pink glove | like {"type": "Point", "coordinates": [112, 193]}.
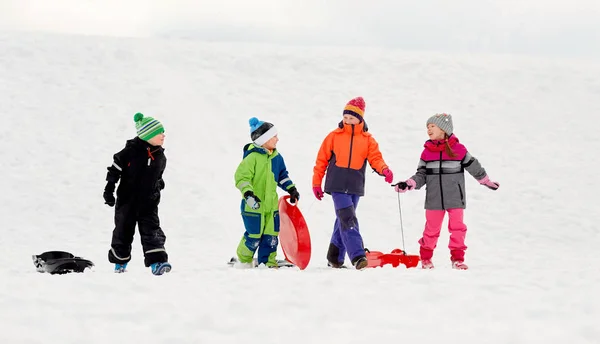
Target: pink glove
{"type": "Point", "coordinates": [389, 176]}
{"type": "Point", "coordinates": [402, 187]}
{"type": "Point", "coordinates": [318, 192]}
{"type": "Point", "coordinates": [485, 181]}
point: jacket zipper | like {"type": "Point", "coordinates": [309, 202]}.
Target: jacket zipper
{"type": "Point", "coordinates": [269, 168]}
{"type": "Point", "coordinates": [150, 156]}
{"type": "Point", "coordinates": [441, 187]}
{"type": "Point", "coordinates": [351, 142]}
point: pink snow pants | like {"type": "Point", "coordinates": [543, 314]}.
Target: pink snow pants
{"type": "Point", "coordinates": [433, 226]}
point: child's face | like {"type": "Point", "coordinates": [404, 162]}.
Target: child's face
{"type": "Point", "coordinates": [349, 119]}
{"type": "Point", "coordinates": [272, 143]}
{"type": "Point", "coordinates": [157, 140]}
{"type": "Point", "coordinates": [434, 132]}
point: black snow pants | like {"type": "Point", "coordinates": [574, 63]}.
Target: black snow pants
{"type": "Point", "coordinates": [152, 236]}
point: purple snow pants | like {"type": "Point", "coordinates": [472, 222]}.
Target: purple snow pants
{"type": "Point", "coordinates": [346, 236]}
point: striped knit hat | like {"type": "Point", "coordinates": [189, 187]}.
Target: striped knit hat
{"type": "Point", "coordinates": [147, 127]}
{"type": "Point", "coordinates": [356, 108]}
{"type": "Point", "coordinates": [443, 121]}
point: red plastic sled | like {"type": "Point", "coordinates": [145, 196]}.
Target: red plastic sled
{"type": "Point", "coordinates": [395, 258]}
{"type": "Point", "coordinates": [293, 234]}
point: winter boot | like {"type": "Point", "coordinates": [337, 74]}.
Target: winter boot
{"type": "Point", "coordinates": [426, 264]}
{"type": "Point", "coordinates": [120, 268]}
{"type": "Point", "coordinates": [361, 263]}
{"type": "Point", "coordinates": [160, 268]}
{"type": "Point", "coordinates": [459, 265]}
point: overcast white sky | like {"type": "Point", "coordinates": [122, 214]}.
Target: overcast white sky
{"type": "Point", "coordinates": [547, 27]}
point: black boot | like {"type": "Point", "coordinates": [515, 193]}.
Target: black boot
{"type": "Point", "coordinates": [360, 262]}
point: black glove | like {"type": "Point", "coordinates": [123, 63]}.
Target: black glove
{"type": "Point", "coordinates": [252, 200]}
{"type": "Point", "coordinates": [401, 185]}
{"type": "Point", "coordinates": [294, 195]}
{"type": "Point", "coordinates": [109, 198]}
{"type": "Point", "coordinates": [161, 184]}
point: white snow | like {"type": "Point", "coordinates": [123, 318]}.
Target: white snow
{"type": "Point", "coordinates": [67, 103]}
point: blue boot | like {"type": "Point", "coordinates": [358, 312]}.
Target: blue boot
{"type": "Point", "coordinates": [160, 268]}
{"type": "Point", "coordinates": [120, 268]}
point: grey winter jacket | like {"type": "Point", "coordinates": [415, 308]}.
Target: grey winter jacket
{"type": "Point", "coordinates": [444, 175]}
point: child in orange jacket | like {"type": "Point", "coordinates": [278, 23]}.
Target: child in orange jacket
{"type": "Point", "coordinates": [344, 155]}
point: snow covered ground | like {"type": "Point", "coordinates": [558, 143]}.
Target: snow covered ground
{"type": "Point", "coordinates": [67, 103]}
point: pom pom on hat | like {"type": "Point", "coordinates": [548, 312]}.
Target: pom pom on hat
{"type": "Point", "coordinates": [254, 124]}
{"type": "Point", "coordinates": [138, 117]}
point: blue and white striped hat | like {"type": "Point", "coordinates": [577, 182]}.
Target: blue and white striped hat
{"type": "Point", "coordinates": [147, 127]}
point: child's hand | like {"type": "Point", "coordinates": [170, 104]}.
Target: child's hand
{"type": "Point", "coordinates": [485, 181]}
{"type": "Point", "coordinates": [318, 192]}
{"type": "Point", "coordinates": [109, 198]}
{"type": "Point", "coordinates": [252, 200]}
{"type": "Point", "coordinates": [402, 187]}
{"type": "Point", "coordinates": [294, 195]}
{"type": "Point", "coordinates": [389, 176]}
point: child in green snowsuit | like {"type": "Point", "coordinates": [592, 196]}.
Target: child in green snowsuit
{"type": "Point", "coordinates": [257, 177]}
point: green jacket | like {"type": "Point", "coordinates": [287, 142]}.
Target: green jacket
{"type": "Point", "coordinates": [261, 173]}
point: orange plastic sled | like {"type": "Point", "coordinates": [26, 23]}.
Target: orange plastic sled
{"type": "Point", "coordinates": [395, 258]}
{"type": "Point", "coordinates": [293, 234]}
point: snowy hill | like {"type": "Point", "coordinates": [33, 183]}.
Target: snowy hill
{"type": "Point", "coordinates": [67, 104]}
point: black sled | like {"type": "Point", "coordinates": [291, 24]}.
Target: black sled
{"type": "Point", "coordinates": [60, 262]}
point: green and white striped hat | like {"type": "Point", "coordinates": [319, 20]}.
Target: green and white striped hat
{"type": "Point", "coordinates": [147, 127]}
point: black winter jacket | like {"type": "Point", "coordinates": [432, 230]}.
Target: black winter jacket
{"type": "Point", "coordinates": [140, 167]}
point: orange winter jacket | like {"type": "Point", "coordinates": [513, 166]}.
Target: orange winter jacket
{"type": "Point", "coordinates": [344, 155]}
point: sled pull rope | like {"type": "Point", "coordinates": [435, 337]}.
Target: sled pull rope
{"type": "Point", "coordinates": [401, 225]}
{"type": "Point", "coordinates": [310, 206]}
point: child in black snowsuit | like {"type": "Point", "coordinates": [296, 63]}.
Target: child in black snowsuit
{"type": "Point", "coordinates": [140, 166]}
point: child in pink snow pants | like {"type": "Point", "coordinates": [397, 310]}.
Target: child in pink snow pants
{"type": "Point", "coordinates": [441, 168]}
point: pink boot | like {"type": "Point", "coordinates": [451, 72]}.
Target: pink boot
{"type": "Point", "coordinates": [459, 265]}
{"type": "Point", "coordinates": [426, 264]}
